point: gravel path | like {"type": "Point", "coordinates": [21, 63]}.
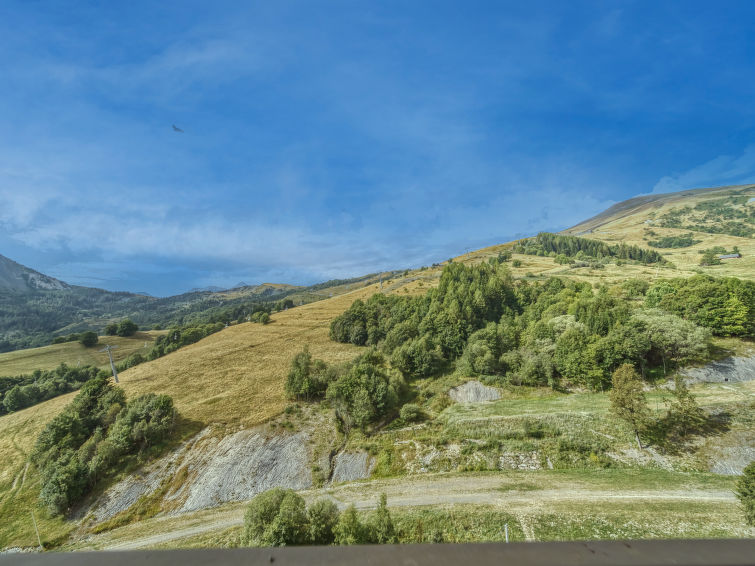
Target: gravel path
{"type": "Point", "coordinates": [486, 490]}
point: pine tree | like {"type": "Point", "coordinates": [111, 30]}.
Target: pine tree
{"type": "Point", "coordinates": [628, 400]}
{"type": "Point", "coordinates": [684, 410]}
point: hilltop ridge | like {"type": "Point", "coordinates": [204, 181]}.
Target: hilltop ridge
{"type": "Point", "coordinates": [19, 278]}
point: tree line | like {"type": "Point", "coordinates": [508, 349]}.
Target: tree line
{"type": "Point", "coordinates": [554, 332]}
{"type": "Point", "coordinates": [546, 243]}
{"type": "Point", "coordinates": [280, 517]}
{"type": "Point", "coordinates": [21, 391]}
{"type": "Point", "coordinates": [93, 437]}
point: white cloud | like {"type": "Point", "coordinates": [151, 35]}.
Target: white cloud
{"type": "Point", "coordinates": [723, 170]}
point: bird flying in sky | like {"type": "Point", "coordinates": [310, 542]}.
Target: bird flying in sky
{"type": "Point", "coordinates": [177, 129]}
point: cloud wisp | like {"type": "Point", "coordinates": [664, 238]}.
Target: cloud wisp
{"type": "Point", "coordinates": [724, 169]}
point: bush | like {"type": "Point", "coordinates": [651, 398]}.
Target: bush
{"type": "Point", "coordinates": [88, 338]}
{"type": "Point", "coordinates": [350, 529]}
{"type": "Point", "coordinates": [746, 492]}
{"type": "Point", "coordinates": [91, 435]}
{"type": "Point", "coordinates": [364, 394]}
{"type": "Point", "coordinates": [323, 517]}
{"type": "Point", "coordinates": [111, 329]}
{"type": "Point", "coordinates": [127, 327]}
{"type": "Point", "coordinates": [380, 526]}
{"type": "Point", "coordinates": [15, 399]}
{"type": "Point", "coordinates": [308, 378]}
{"type": "Point", "coordinates": [410, 413]}
{"type": "Point", "coordinates": [147, 420]}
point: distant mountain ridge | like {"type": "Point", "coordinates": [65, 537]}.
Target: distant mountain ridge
{"type": "Point", "coordinates": [17, 277]}
{"type": "Point", "coordinates": [35, 307]}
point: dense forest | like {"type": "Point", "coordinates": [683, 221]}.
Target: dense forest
{"type": "Point", "coordinates": [546, 243]}
{"type": "Point", "coordinates": [551, 332]}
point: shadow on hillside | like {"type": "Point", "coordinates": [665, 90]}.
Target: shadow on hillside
{"type": "Point", "coordinates": [676, 438]}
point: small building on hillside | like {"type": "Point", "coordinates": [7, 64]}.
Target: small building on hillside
{"type": "Point", "coordinates": [729, 256]}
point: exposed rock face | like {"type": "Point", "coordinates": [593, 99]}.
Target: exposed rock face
{"type": "Point", "coordinates": [212, 471]}
{"type": "Point", "coordinates": [350, 466]}
{"type": "Point", "coordinates": [734, 369]}
{"type": "Point", "coordinates": [242, 465]}
{"type": "Point", "coordinates": [474, 392]}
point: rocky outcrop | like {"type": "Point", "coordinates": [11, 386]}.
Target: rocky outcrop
{"type": "Point", "coordinates": [240, 466]}
{"type": "Point", "coordinates": [210, 470]}
{"type": "Point", "coordinates": [732, 370]}
{"type": "Point", "coordinates": [474, 392]}
{"type": "Point", "coordinates": [350, 466]}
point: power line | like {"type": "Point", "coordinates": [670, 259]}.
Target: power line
{"type": "Point", "coordinates": [108, 348]}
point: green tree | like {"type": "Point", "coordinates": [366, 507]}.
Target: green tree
{"type": "Point", "coordinates": [746, 492]}
{"type": "Point", "coordinates": [276, 517]}
{"type": "Point", "coordinates": [146, 420]}
{"type": "Point", "coordinates": [291, 524]}
{"type": "Point", "coordinates": [684, 412]}
{"type": "Point", "coordinates": [628, 400]}
{"type": "Point", "coordinates": [710, 258]}
{"type": "Point", "coordinates": [410, 413]}
{"type": "Point", "coordinates": [127, 327]}
{"type": "Point", "coordinates": [735, 317]}
{"type": "Point", "coordinates": [350, 529]}
{"type": "Point", "coordinates": [323, 517]}
{"type": "Point", "coordinates": [381, 530]}
{"type": "Point", "coordinates": [88, 338]}
{"type": "Point", "coordinates": [111, 329]}
{"type": "Point", "coordinates": [15, 399]}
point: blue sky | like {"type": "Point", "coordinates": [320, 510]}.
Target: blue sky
{"type": "Point", "coordinates": [333, 139]}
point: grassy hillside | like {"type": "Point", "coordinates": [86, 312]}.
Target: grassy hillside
{"type": "Point", "coordinates": [645, 219]}
{"type": "Point", "coordinates": [236, 376]}
{"type": "Point", "coordinates": [72, 353]}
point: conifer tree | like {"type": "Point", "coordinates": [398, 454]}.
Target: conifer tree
{"type": "Point", "coordinates": [628, 400]}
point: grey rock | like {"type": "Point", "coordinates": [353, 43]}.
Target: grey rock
{"type": "Point", "coordinates": [474, 392]}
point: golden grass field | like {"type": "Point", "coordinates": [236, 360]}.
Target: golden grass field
{"type": "Point", "coordinates": [72, 353]}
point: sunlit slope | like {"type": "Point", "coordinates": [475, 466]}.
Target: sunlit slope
{"type": "Point", "coordinates": [19, 485]}
{"type": "Point", "coordinates": [26, 361]}
{"type": "Point", "coordinates": [237, 375]}
{"type": "Point", "coordinates": [636, 221]}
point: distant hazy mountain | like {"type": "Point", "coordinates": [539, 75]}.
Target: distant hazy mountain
{"type": "Point", "coordinates": [16, 277]}
{"type": "Point", "coordinates": [209, 289]}
{"type": "Point", "coordinates": [35, 307]}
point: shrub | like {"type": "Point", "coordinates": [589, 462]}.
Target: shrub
{"type": "Point", "coordinates": [88, 338]}
{"type": "Point", "coordinates": [364, 394]}
{"type": "Point", "coordinates": [350, 529]}
{"type": "Point", "coordinates": [308, 378]}
{"type": "Point", "coordinates": [323, 517]}
{"type": "Point", "coordinates": [746, 492]}
{"type": "Point", "coordinates": [260, 514]}
{"type": "Point", "coordinates": [380, 526]}
{"type": "Point", "coordinates": [127, 327]}
{"type": "Point", "coordinates": [91, 435]}
{"type": "Point", "coordinates": [410, 413]}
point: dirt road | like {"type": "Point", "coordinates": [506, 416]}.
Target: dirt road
{"type": "Point", "coordinates": [402, 492]}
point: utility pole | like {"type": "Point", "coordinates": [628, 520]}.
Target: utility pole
{"type": "Point", "coordinates": [108, 348]}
